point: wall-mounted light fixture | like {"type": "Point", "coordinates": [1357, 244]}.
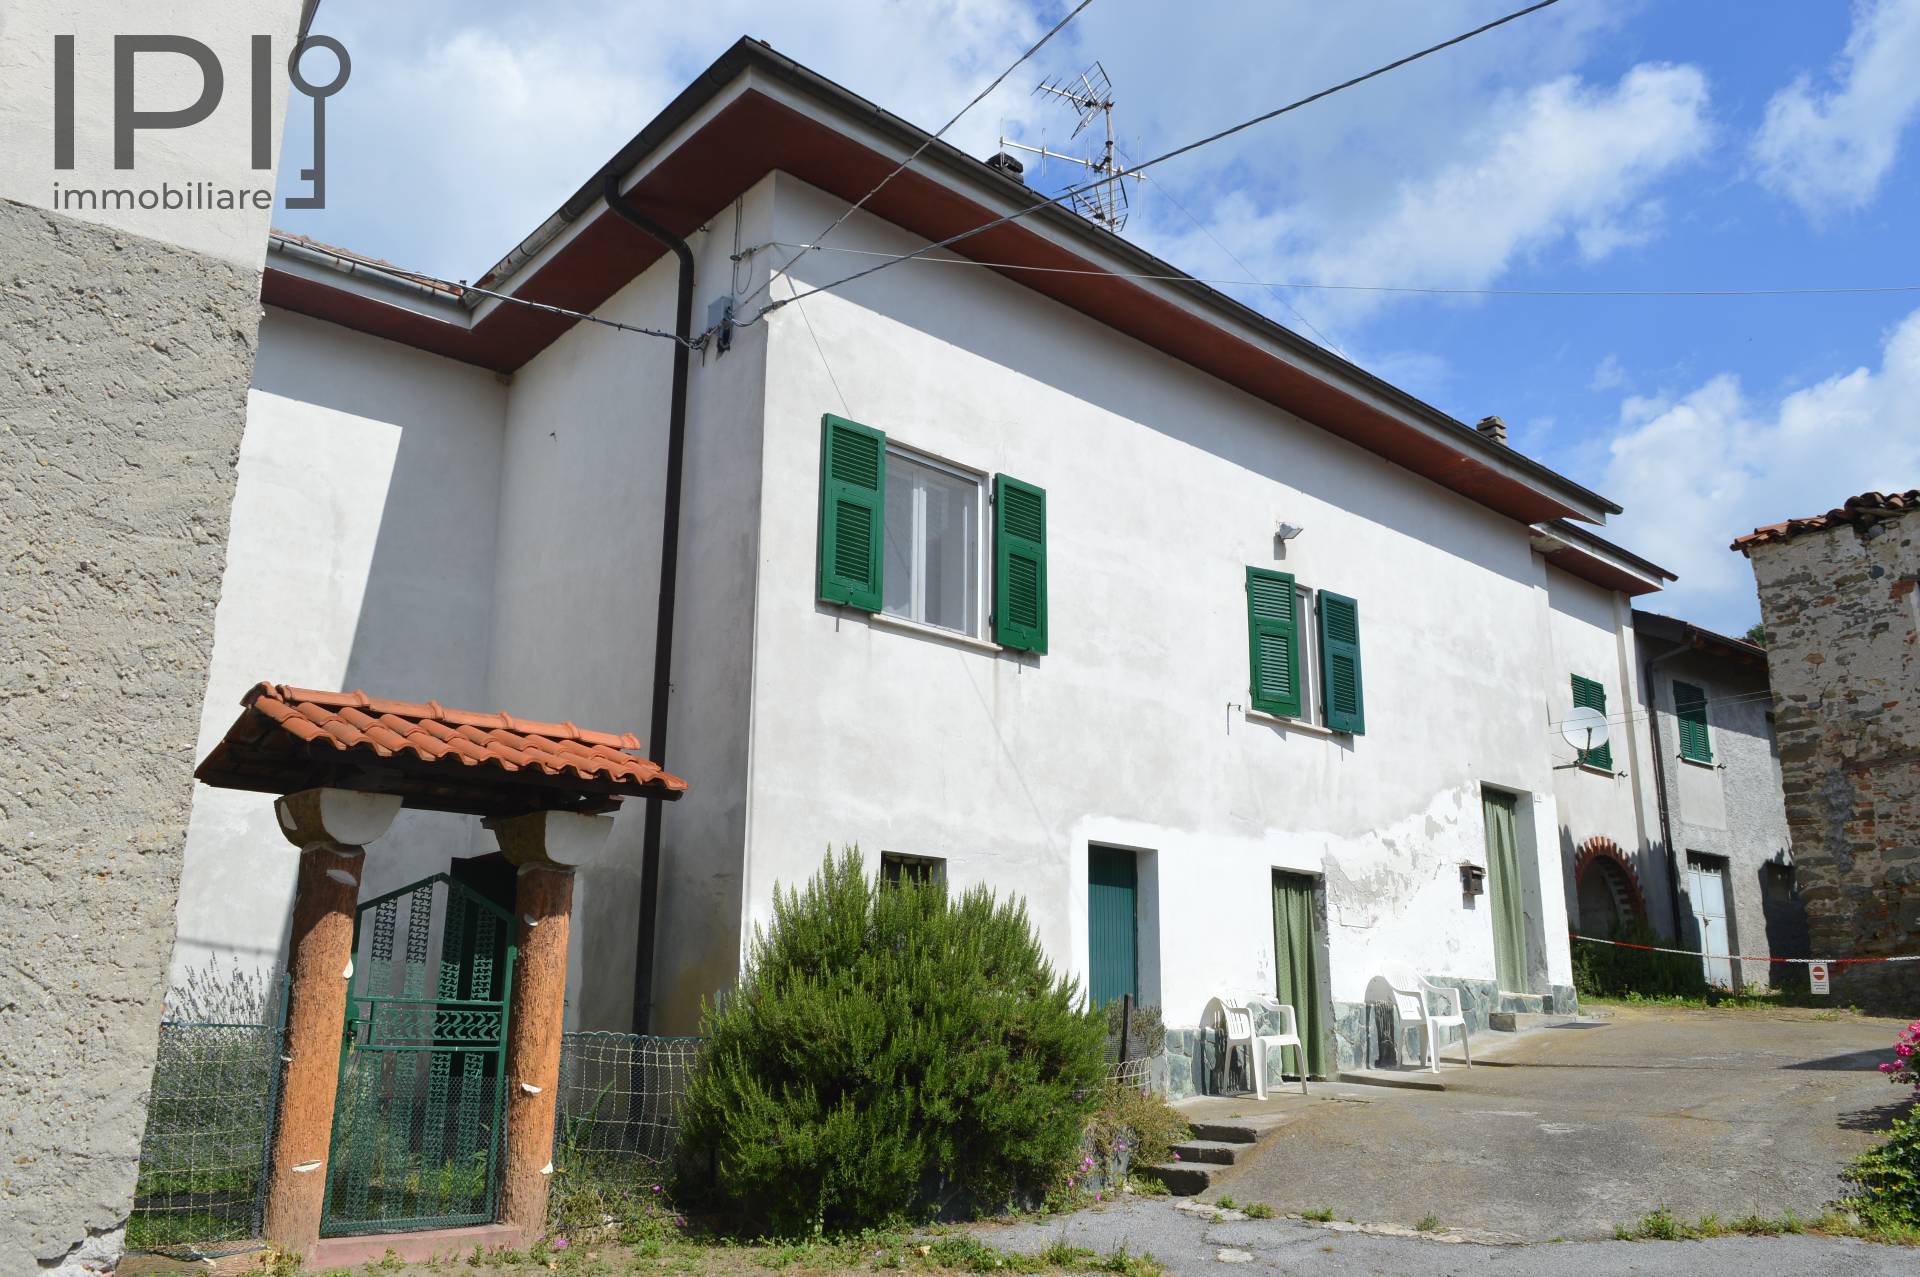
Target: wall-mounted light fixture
{"type": "Point", "coordinates": [1288, 531]}
{"type": "Point", "coordinates": [1473, 880]}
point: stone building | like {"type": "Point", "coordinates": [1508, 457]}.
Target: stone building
{"type": "Point", "coordinates": [1840, 601]}
{"type": "Point", "coordinates": [127, 340]}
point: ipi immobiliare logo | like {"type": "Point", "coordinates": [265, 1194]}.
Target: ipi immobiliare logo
{"type": "Point", "coordinates": [142, 56]}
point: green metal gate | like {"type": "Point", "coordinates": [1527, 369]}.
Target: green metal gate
{"type": "Point", "coordinates": [418, 1127]}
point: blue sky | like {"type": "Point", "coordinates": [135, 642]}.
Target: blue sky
{"type": "Point", "coordinates": [1601, 144]}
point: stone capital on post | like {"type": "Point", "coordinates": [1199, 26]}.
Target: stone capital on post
{"type": "Point", "coordinates": [331, 827]}
{"type": "Point", "coordinates": [547, 846]}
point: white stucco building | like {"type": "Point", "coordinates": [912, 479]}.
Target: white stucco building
{"type": "Point", "coordinates": [1031, 623]}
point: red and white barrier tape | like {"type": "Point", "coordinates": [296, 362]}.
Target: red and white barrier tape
{"type": "Point", "coordinates": [1742, 957]}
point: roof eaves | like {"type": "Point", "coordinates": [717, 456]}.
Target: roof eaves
{"type": "Point", "coordinates": [750, 54]}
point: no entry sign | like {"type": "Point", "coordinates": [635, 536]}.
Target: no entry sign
{"type": "Point", "coordinates": [1817, 976]}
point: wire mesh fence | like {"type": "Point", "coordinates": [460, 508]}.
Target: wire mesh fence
{"type": "Point", "coordinates": [203, 1155]}
{"type": "Point", "coordinates": [616, 1121]}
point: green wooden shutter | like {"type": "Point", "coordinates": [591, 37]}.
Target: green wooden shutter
{"type": "Point", "coordinates": [1019, 565]}
{"type": "Point", "coordinates": [853, 502]}
{"type": "Point", "coordinates": [1340, 663]}
{"type": "Point", "coordinates": [1273, 641]}
{"type": "Point", "coordinates": [1591, 695]}
{"type": "Point", "coordinates": [1690, 707]}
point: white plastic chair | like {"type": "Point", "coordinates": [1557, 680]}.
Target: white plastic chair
{"type": "Point", "coordinates": [1237, 1027]}
{"type": "Point", "coordinates": [1414, 997]}
{"type": "Point", "coordinates": [1288, 1036]}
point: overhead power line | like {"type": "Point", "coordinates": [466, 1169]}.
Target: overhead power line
{"type": "Point", "coordinates": [901, 167]}
{"type": "Point", "coordinates": [362, 266]}
{"type": "Point", "coordinates": [1178, 151]}
{"type": "Point", "coordinates": [1814, 290]}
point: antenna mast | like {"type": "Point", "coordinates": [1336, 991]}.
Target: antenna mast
{"type": "Point", "coordinates": [1091, 94]}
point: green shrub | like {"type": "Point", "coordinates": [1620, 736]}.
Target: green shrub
{"type": "Point", "coordinates": [1886, 1178]}
{"type": "Point", "coordinates": [1604, 971]}
{"type": "Point", "coordinates": [891, 1052]}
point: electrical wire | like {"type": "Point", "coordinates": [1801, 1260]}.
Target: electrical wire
{"type": "Point", "coordinates": [901, 167]}
{"type": "Point", "coordinates": [1629, 717]}
{"type": "Point", "coordinates": [1195, 145]}
{"type": "Point", "coordinates": [1273, 292]}
{"type": "Point", "coordinates": [1817, 290]}
{"type": "Point", "coordinates": [361, 265]}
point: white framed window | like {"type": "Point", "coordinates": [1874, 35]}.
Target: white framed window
{"type": "Point", "coordinates": [934, 550]}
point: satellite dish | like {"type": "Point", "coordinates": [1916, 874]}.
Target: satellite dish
{"type": "Point", "coordinates": [1585, 729]}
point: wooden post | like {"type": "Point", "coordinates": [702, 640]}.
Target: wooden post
{"type": "Point", "coordinates": [544, 903]}
{"type": "Point", "coordinates": [1126, 1027]}
{"type": "Point", "coordinates": [319, 952]}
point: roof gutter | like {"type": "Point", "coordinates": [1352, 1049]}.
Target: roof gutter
{"type": "Point", "coordinates": [669, 572]}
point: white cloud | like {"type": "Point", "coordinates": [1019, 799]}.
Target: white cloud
{"type": "Point", "coordinates": [1567, 159]}
{"type": "Point", "coordinates": [1827, 149]}
{"type": "Point", "coordinates": [1608, 374]}
{"type": "Point", "coordinates": [1696, 471]}
{"type": "Point", "coordinates": [1563, 163]}
{"type": "Point", "coordinates": [466, 123]}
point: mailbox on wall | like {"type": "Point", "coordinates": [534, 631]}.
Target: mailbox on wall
{"type": "Point", "coordinates": [1473, 880]}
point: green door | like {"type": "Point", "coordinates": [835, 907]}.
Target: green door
{"type": "Point", "coordinates": [1296, 962]}
{"type": "Point", "coordinates": [1504, 893]}
{"type": "Point", "coordinates": [1112, 925]}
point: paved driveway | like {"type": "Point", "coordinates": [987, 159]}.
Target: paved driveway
{"type": "Point", "coordinates": [1566, 1132]}
{"type": "Point", "coordinates": [1193, 1245]}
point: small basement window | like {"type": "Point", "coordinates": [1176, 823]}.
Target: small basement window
{"type": "Point", "coordinates": [896, 868]}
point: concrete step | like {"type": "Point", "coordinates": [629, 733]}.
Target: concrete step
{"type": "Point", "coordinates": [1225, 1132]}
{"type": "Point", "coordinates": [1400, 1079]}
{"type": "Point", "coordinates": [1183, 1179]}
{"type": "Point", "coordinates": [1215, 1152]}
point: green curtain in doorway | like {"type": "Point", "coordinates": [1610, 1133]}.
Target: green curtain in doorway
{"type": "Point", "coordinates": [1504, 893]}
{"type": "Point", "coordinates": [1296, 961]}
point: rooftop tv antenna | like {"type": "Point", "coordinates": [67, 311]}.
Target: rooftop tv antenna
{"type": "Point", "coordinates": [1091, 94]}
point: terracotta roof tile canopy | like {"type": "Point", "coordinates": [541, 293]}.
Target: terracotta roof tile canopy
{"type": "Point", "coordinates": [437, 759]}
{"type": "Point", "coordinates": [1868, 507]}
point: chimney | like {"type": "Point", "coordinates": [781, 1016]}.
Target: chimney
{"type": "Point", "coordinates": [1007, 164]}
{"type": "Point", "coordinates": [1493, 428]}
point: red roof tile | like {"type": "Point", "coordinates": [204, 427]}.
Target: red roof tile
{"type": "Point", "coordinates": [438, 758]}
{"type": "Point", "coordinates": [1868, 507]}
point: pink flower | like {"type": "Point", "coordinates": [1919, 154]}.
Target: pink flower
{"type": "Point", "coordinates": [559, 1243]}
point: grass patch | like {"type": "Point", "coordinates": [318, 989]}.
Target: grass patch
{"type": "Point", "coordinates": [1725, 1002]}
{"type": "Point", "coordinates": [1258, 1210]}
{"type": "Point", "coordinates": [1663, 1225]}
{"type": "Point", "coordinates": [1429, 1223]}
{"type": "Point", "coordinates": [1324, 1215]}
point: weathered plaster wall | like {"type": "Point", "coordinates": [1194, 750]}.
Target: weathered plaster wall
{"type": "Point", "coordinates": [1842, 615]}
{"type": "Point", "coordinates": [1591, 634]}
{"type": "Point", "coordinates": [1163, 485]}
{"type": "Point", "coordinates": [1733, 808]}
{"type": "Point", "coordinates": [122, 400]}
{"type": "Point", "coordinates": [361, 556]}
{"type": "Point", "coordinates": [122, 406]}
{"type": "Point", "coordinates": [577, 590]}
